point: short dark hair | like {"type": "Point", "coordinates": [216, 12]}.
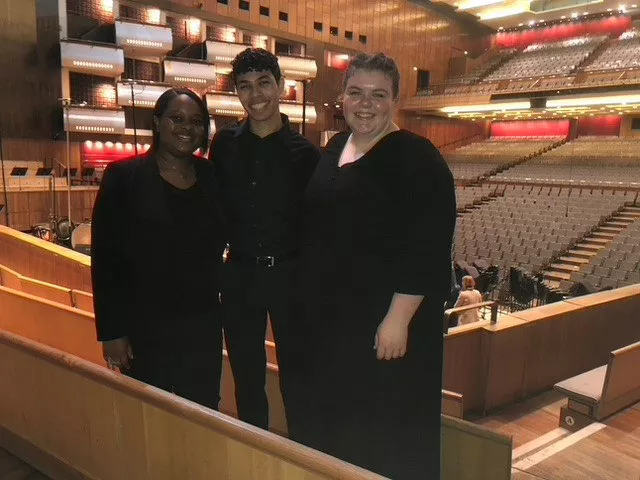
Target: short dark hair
{"type": "Point", "coordinates": [377, 62]}
{"type": "Point", "coordinates": [163, 103]}
{"type": "Point", "coordinates": [255, 60]}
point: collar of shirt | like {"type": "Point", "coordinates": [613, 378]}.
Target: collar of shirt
{"type": "Point", "coordinates": [284, 133]}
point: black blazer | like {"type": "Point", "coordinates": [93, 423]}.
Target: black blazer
{"type": "Point", "coordinates": [130, 244]}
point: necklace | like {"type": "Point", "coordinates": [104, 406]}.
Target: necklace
{"type": "Point", "coordinates": [183, 173]}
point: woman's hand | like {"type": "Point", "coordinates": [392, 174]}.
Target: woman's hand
{"type": "Point", "coordinates": [391, 338]}
{"type": "Point", "coordinates": [117, 353]}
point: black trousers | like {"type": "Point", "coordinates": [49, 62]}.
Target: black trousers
{"type": "Point", "coordinates": [183, 356]}
{"type": "Point", "coordinates": [248, 293]}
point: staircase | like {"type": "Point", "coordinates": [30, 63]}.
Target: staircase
{"type": "Point", "coordinates": [507, 166]}
{"type": "Point", "coordinates": [583, 251]}
{"type": "Point", "coordinates": [495, 66]}
{"type": "Point", "coordinates": [597, 53]}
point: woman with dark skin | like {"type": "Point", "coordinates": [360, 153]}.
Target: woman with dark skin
{"type": "Point", "coordinates": [157, 241]}
{"type": "Point", "coordinates": [375, 274]}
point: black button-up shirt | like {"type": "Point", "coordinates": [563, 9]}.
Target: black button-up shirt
{"type": "Point", "coordinates": [262, 182]}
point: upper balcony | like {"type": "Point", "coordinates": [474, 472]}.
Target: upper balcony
{"type": "Point", "coordinates": [298, 68]}
{"type": "Point", "coordinates": [229, 105]}
{"type": "Point", "coordinates": [92, 58]}
{"type": "Point", "coordinates": [143, 40]}
{"type": "Point", "coordinates": [293, 68]}
{"type": "Point", "coordinates": [190, 73]}
{"type": "Point", "coordinates": [94, 120]}
{"type": "Point", "coordinates": [139, 93]}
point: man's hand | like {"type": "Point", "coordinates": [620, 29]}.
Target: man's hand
{"type": "Point", "coordinates": [117, 353]}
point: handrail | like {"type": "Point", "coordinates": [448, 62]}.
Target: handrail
{"type": "Point", "coordinates": [81, 258]}
{"type": "Point", "coordinates": [452, 313]}
{"type": "Point", "coordinates": [280, 447]}
{"type": "Point", "coordinates": [460, 140]}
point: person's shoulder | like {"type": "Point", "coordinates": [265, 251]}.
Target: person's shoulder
{"type": "Point", "coordinates": [337, 142]}
{"type": "Point", "coordinates": [226, 132]}
{"type": "Point", "coordinates": [203, 163]}
{"type": "Point", "coordinates": [124, 166]}
{"type": "Point", "coordinates": [302, 144]}
{"type": "Point", "coordinates": [414, 143]}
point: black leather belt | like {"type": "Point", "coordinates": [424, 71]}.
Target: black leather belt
{"type": "Point", "coordinates": [261, 261]}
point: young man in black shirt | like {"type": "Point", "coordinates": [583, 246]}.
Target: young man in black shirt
{"type": "Point", "coordinates": [263, 168]}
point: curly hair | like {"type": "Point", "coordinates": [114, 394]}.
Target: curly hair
{"type": "Point", "coordinates": [255, 60]}
{"type": "Point", "coordinates": [378, 62]}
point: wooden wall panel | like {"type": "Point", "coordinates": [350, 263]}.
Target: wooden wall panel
{"type": "Point", "coordinates": [443, 132]}
{"type": "Point", "coordinates": [414, 36]}
{"type": "Point", "coordinates": [127, 430]}
{"type": "Point", "coordinates": [30, 80]}
{"type": "Point", "coordinates": [29, 208]}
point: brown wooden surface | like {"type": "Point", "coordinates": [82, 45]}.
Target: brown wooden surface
{"type": "Point", "coordinates": [30, 208]}
{"type": "Point", "coordinates": [73, 331]}
{"type": "Point", "coordinates": [46, 290]}
{"type": "Point", "coordinates": [44, 261]}
{"type": "Point", "coordinates": [612, 453]}
{"type": "Point", "coordinates": [115, 426]}
{"type": "Point", "coordinates": [82, 300]}
{"type": "Point", "coordinates": [527, 352]}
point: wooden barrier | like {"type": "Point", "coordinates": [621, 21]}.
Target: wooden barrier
{"type": "Point", "coordinates": [44, 261]}
{"type": "Point", "coordinates": [527, 352]}
{"type": "Point", "coordinates": [100, 424]}
{"type": "Point", "coordinates": [10, 278]}
{"type": "Point", "coordinates": [82, 300]}
{"type": "Point", "coordinates": [543, 345]}
{"type": "Point", "coordinates": [47, 291]}
{"type": "Point", "coordinates": [72, 331]}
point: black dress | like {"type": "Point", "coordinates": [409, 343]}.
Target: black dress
{"type": "Point", "coordinates": [156, 254]}
{"type": "Point", "coordinates": [380, 225]}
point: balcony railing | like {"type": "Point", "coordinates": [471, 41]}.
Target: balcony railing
{"type": "Point", "coordinates": [91, 58]}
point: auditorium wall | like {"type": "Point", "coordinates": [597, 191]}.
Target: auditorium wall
{"type": "Point", "coordinates": [418, 38]}
{"type": "Point", "coordinates": [444, 132]}
{"type": "Point", "coordinates": [29, 62]}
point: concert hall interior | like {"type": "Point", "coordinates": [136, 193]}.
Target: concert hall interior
{"type": "Point", "coordinates": [534, 106]}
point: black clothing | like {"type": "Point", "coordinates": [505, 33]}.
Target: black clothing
{"type": "Point", "coordinates": [184, 360]}
{"type": "Point", "coordinates": [194, 233]}
{"type": "Point", "coordinates": [262, 182]}
{"type": "Point", "coordinates": [248, 293]}
{"type": "Point", "coordinates": [156, 252]}
{"type": "Point", "coordinates": [378, 226]}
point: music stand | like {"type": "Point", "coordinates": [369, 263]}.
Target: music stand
{"type": "Point", "coordinates": [72, 172]}
{"type": "Point", "coordinates": [88, 174]}
{"type": "Point", "coordinates": [19, 171]}
{"type": "Point", "coordinates": [44, 171]}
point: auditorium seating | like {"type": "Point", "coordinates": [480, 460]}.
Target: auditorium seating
{"type": "Point", "coordinates": [587, 160]}
{"type": "Point", "coordinates": [553, 58]}
{"type": "Point", "coordinates": [479, 159]}
{"type": "Point", "coordinates": [616, 265]}
{"type": "Point", "coordinates": [528, 226]}
{"type": "Point", "coordinates": [473, 196]}
{"type": "Point", "coordinates": [619, 54]}
{"type": "Point", "coordinates": [479, 72]}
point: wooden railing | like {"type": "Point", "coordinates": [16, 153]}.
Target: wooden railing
{"type": "Point", "coordinates": [527, 352]}
{"type": "Point", "coordinates": [102, 425]}
{"type": "Point", "coordinates": [80, 376]}
{"type": "Point", "coordinates": [44, 261]}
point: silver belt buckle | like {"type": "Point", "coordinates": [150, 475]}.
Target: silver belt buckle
{"type": "Point", "coordinates": [271, 261]}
